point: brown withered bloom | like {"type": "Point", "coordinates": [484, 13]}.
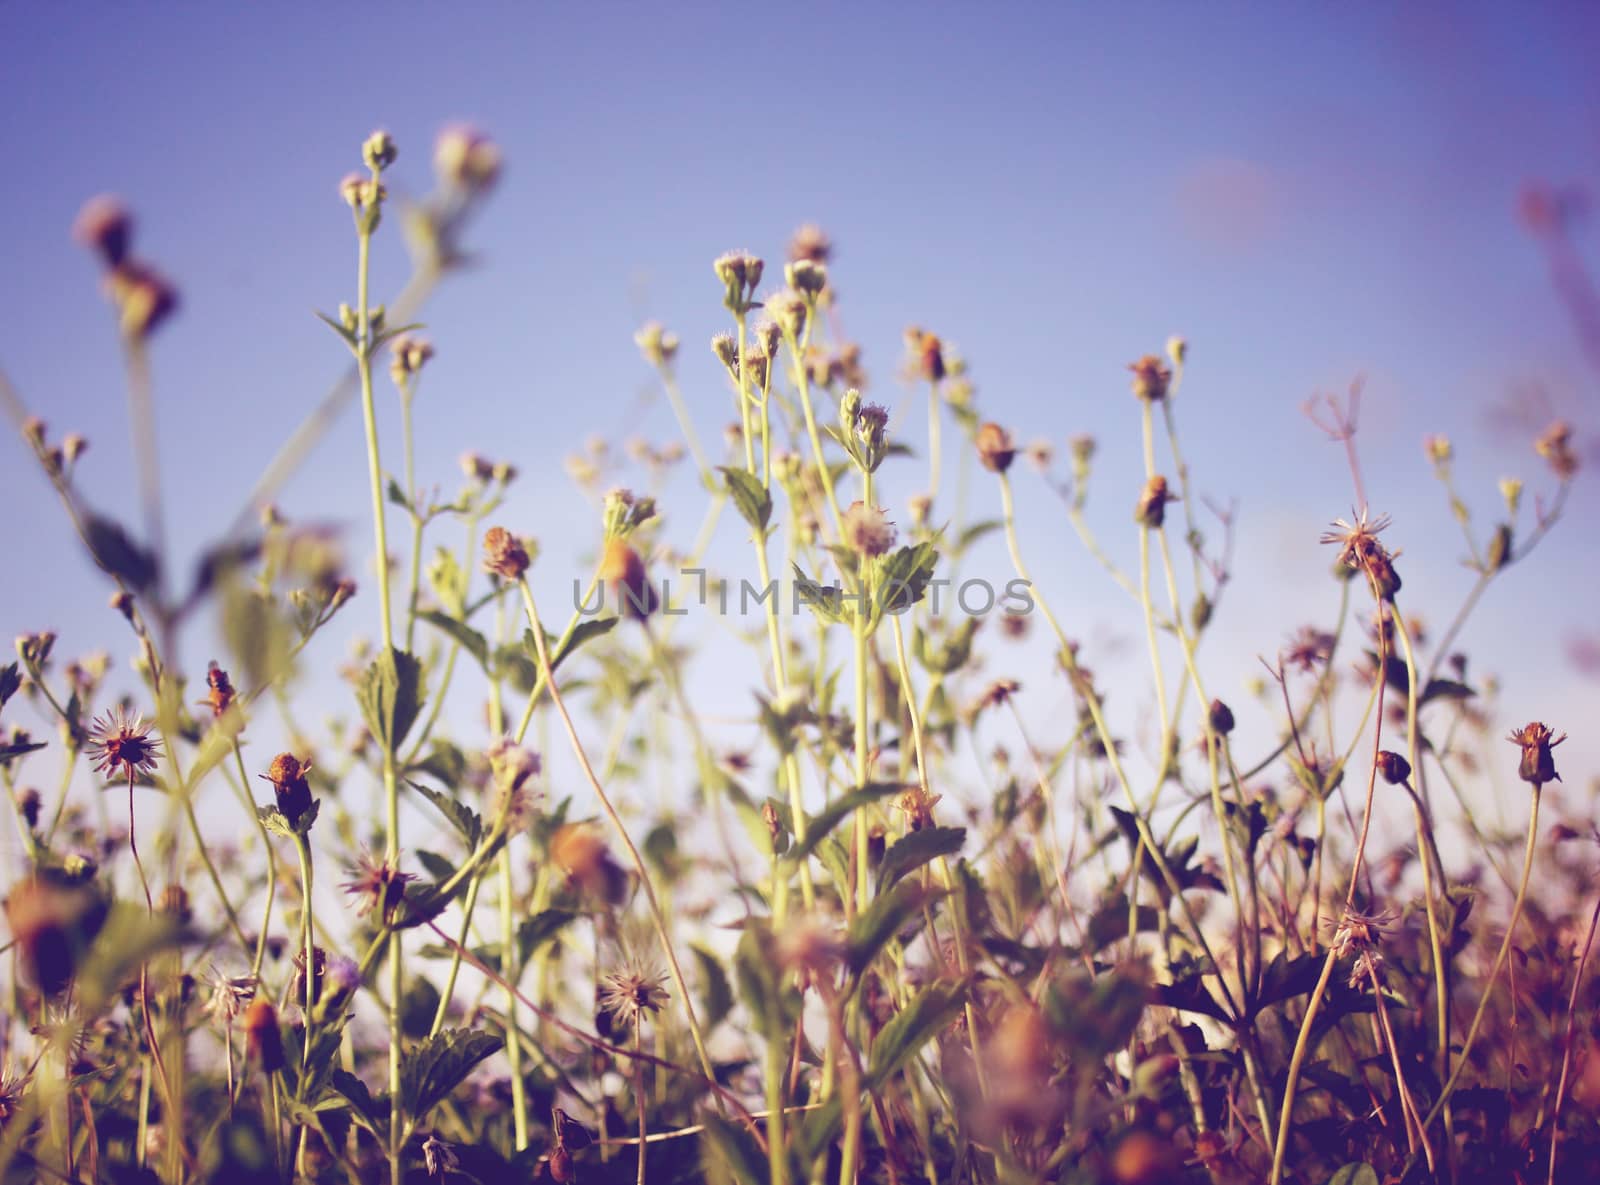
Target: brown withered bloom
{"type": "Point", "coordinates": [219, 690]}
{"type": "Point", "coordinates": [377, 885]}
{"type": "Point", "coordinates": [1359, 550]}
{"type": "Point", "coordinates": [918, 806]}
{"type": "Point", "coordinates": [588, 864]}
{"type": "Point", "coordinates": [231, 995]}
{"type": "Point", "coordinates": [288, 777]}
{"type": "Point", "coordinates": [1536, 740]}
{"type": "Point", "coordinates": [1555, 446]}
{"type": "Point", "coordinates": [1151, 509]}
{"type": "Point", "coordinates": [810, 242]}
{"type": "Point", "coordinates": [1151, 377]}
{"type": "Point", "coordinates": [503, 554]}
{"type": "Point", "coordinates": [1309, 649]}
{"type": "Point", "coordinates": [120, 745]}
{"type": "Point", "coordinates": [996, 450]}
{"type": "Point", "coordinates": [632, 991]}
{"type": "Point", "coordinates": [105, 226]}
{"type": "Point", "coordinates": [927, 354]}
{"type": "Point", "coordinates": [263, 1039]}
{"type": "Point", "coordinates": [1358, 935]}
{"type": "Point", "coordinates": [1393, 768]}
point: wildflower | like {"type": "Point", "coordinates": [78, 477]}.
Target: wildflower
{"type": "Point", "coordinates": [438, 1157]}
{"type": "Point", "coordinates": [12, 1087]}
{"type": "Point", "coordinates": [996, 450]}
{"type": "Point", "coordinates": [920, 505]}
{"type": "Point", "coordinates": [29, 804]}
{"type": "Point", "coordinates": [263, 1039]}
{"type": "Point", "coordinates": [810, 242]}
{"type": "Point", "coordinates": [52, 925]}
{"type": "Point", "coordinates": [121, 745]}
{"type": "Point", "coordinates": [407, 356]}
{"type": "Point", "coordinates": [1177, 350]}
{"type": "Point", "coordinates": [219, 690]}
{"type": "Point", "coordinates": [341, 981]}
{"type": "Point", "coordinates": [1358, 935]}
{"type": "Point", "coordinates": [807, 277]}
{"type": "Point", "coordinates": [231, 995]}
{"type": "Point", "coordinates": [726, 349]}
{"type": "Point", "coordinates": [122, 602]}
{"type": "Point", "coordinates": [378, 151]}
{"type": "Point", "coordinates": [1041, 453]}
{"type": "Point", "coordinates": [767, 336]}
{"type": "Point", "coordinates": [319, 965]}
{"type": "Point", "coordinates": [1438, 449]}
{"type": "Point", "coordinates": [466, 159]}
{"type": "Point", "coordinates": [105, 226]}
{"type": "Point", "coordinates": [73, 446]}
{"type": "Point", "coordinates": [996, 694]}
{"type": "Point", "coordinates": [1393, 768]}
{"type": "Point", "coordinates": [623, 570]}
{"type": "Point", "coordinates": [632, 991]}
{"type": "Point", "coordinates": [1151, 509]}
{"type": "Point", "coordinates": [918, 806]}
{"type": "Point", "coordinates": [1555, 446]}
{"type": "Point", "coordinates": [1014, 625]}
{"type": "Point", "coordinates": [503, 554]}
{"type": "Point", "coordinates": [1151, 377]}
{"type": "Point", "coordinates": [175, 904]}
{"type": "Point", "coordinates": [1536, 742]}
{"type": "Point", "coordinates": [659, 346]}
{"type": "Point", "coordinates": [927, 354]}
{"type": "Point", "coordinates": [1359, 550]}
{"type": "Point", "coordinates": [740, 273]}
{"type": "Point", "coordinates": [1511, 491]}
{"type": "Point", "coordinates": [754, 367]}
{"type": "Point", "coordinates": [378, 885]}
{"type": "Point", "coordinates": [867, 530]}
{"type": "Point", "coordinates": [511, 766]}
{"type": "Point", "coordinates": [1220, 717]}
{"type": "Point", "coordinates": [788, 311]}
{"type": "Point", "coordinates": [287, 774]}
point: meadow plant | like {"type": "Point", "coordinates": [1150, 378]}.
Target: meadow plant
{"type": "Point", "coordinates": [1140, 952]}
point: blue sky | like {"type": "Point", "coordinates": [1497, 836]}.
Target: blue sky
{"type": "Point", "coordinates": [1306, 192]}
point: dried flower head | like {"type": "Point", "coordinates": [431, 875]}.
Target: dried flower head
{"type": "Point", "coordinates": [658, 345]}
{"type": "Point", "coordinates": [263, 1039]}
{"type": "Point", "coordinates": [1151, 377]}
{"type": "Point", "coordinates": [504, 555]}
{"type": "Point", "coordinates": [927, 354]}
{"type": "Point", "coordinates": [1151, 509]}
{"type": "Point", "coordinates": [377, 885]}
{"type": "Point", "coordinates": [806, 277]}
{"type": "Point", "coordinates": [918, 806]}
{"type": "Point", "coordinates": [622, 570]}
{"type": "Point", "coordinates": [1536, 740]}
{"type": "Point", "coordinates": [121, 745]}
{"type": "Point", "coordinates": [12, 1088]}
{"type": "Point", "coordinates": [407, 356]}
{"type": "Point", "coordinates": [511, 765]}
{"type": "Point", "coordinates": [632, 991]}
{"type": "Point", "coordinates": [1555, 446]}
{"type": "Point", "coordinates": [788, 310]}
{"type": "Point", "coordinates": [867, 530]}
{"type": "Point", "coordinates": [230, 995]}
{"type": "Point", "coordinates": [219, 690]}
{"type": "Point", "coordinates": [1359, 550]}
{"type": "Point", "coordinates": [1309, 648]}
{"type": "Point", "coordinates": [438, 1157]}
{"type": "Point", "coordinates": [287, 773]}
{"type": "Point", "coordinates": [996, 450]}
{"type": "Point", "coordinates": [588, 864]}
{"type": "Point", "coordinates": [1358, 935]}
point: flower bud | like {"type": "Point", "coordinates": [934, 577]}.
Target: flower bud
{"type": "Point", "coordinates": [263, 1039]}
{"type": "Point", "coordinates": [1151, 510]}
{"type": "Point", "coordinates": [106, 228]}
{"type": "Point", "coordinates": [807, 277]}
{"type": "Point", "coordinates": [1150, 378]}
{"type": "Point", "coordinates": [623, 570]}
{"type": "Point", "coordinates": [1393, 768]}
{"type": "Point", "coordinates": [1537, 765]}
{"type": "Point", "coordinates": [378, 152]}
{"type": "Point", "coordinates": [1220, 716]}
{"type": "Point", "coordinates": [293, 792]}
{"type": "Point", "coordinates": [504, 555]}
{"type": "Point", "coordinates": [996, 450]}
{"type": "Point", "coordinates": [466, 159]}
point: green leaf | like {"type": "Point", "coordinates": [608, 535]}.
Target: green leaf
{"type": "Point", "coordinates": [431, 1072]}
{"type": "Point", "coordinates": [444, 762]}
{"type": "Point", "coordinates": [1445, 689]}
{"type": "Point", "coordinates": [1354, 1174]}
{"type": "Point", "coordinates": [820, 824]}
{"type": "Point", "coordinates": [435, 865]}
{"type": "Point", "coordinates": [349, 338]}
{"type": "Point", "coordinates": [116, 552]}
{"type": "Point", "coordinates": [8, 751]}
{"type": "Point", "coordinates": [584, 631]}
{"type": "Point", "coordinates": [718, 1001]}
{"type": "Point", "coordinates": [466, 821]}
{"type": "Point", "coordinates": [396, 495]}
{"type": "Point", "coordinates": [463, 634]}
{"type": "Point", "coordinates": [905, 576]}
{"type": "Point", "coordinates": [371, 1113]}
{"type": "Point", "coordinates": [911, 1028]}
{"type": "Point", "coordinates": [975, 532]}
{"type": "Point", "coordinates": [826, 602]}
{"type": "Point", "coordinates": [391, 696]}
{"type": "Point", "coordinates": [914, 849]}
{"type": "Point", "coordinates": [884, 918]}
{"type": "Point", "coordinates": [534, 932]}
{"type": "Point", "coordinates": [730, 1154]}
{"type": "Point", "coordinates": [751, 498]}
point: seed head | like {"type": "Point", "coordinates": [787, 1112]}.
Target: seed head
{"type": "Point", "coordinates": [727, 352]}
{"type": "Point", "coordinates": [632, 991]}
{"type": "Point", "coordinates": [378, 152]}
{"type": "Point", "coordinates": [1151, 378]}
{"type": "Point", "coordinates": [918, 806]}
{"type": "Point", "coordinates": [996, 450]}
{"type": "Point", "coordinates": [377, 885]}
{"type": "Point", "coordinates": [120, 745]}
{"type": "Point", "coordinates": [504, 555]}
{"type": "Point", "coordinates": [1537, 765]}
{"type": "Point", "coordinates": [659, 346]}
{"type": "Point", "coordinates": [806, 277]}
{"type": "Point", "coordinates": [788, 310]}
{"type": "Point", "coordinates": [230, 995]}
{"type": "Point", "coordinates": [219, 690]}
{"type": "Point", "coordinates": [1359, 550]}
